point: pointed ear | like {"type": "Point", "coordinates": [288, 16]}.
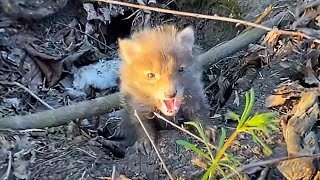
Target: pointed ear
{"type": "Point", "coordinates": [128, 49]}
{"type": "Point", "coordinates": [186, 38]}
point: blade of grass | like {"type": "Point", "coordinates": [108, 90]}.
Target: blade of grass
{"type": "Point", "coordinates": [222, 138]}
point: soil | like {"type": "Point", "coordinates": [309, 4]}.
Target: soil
{"type": "Point", "coordinates": [66, 153]}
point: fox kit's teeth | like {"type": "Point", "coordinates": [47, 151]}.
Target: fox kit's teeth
{"type": "Point", "coordinates": [170, 104]}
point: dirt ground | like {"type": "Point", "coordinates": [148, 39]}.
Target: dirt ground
{"type": "Point", "coordinates": [69, 152]}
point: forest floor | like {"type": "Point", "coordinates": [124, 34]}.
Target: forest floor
{"type": "Point", "coordinates": [45, 56]}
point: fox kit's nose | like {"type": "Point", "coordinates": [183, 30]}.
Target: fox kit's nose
{"type": "Point", "coordinates": [171, 94]}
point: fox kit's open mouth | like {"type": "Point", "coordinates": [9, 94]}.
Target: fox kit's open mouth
{"type": "Point", "coordinates": [170, 106]}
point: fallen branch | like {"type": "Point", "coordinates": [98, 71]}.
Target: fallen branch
{"type": "Point", "coordinates": [271, 161]}
{"type": "Point", "coordinates": [238, 43]}
{"type": "Point", "coordinates": [63, 115]}
{"type": "Point", "coordinates": [214, 17]}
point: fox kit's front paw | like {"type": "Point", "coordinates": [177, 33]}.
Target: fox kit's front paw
{"type": "Point", "coordinates": [210, 133]}
{"type": "Point", "coordinates": [143, 145]}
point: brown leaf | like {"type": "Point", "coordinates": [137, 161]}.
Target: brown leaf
{"type": "Point", "coordinates": [271, 38]}
{"type": "Point", "coordinates": [51, 69]}
{"type": "Point", "coordinates": [309, 14]}
{"type": "Point", "coordinates": [309, 75]}
{"type": "Point", "coordinates": [68, 36]}
{"type": "Point", "coordinates": [101, 14]}
{"type": "Point", "coordinates": [313, 55]}
{"type": "Point", "coordinates": [200, 162]}
{"type": "Point", "coordinates": [282, 94]}
{"type": "Point", "coordinates": [275, 100]}
{"type": "Point", "coordinates": [305, 113]}
{"type": "Point", "coordinates": [297, 168]}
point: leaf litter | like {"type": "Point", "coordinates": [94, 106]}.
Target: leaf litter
{"type": "Point", "coordinates": [65, 58]}
{"type": "Point", "coordinates": [296, 100]}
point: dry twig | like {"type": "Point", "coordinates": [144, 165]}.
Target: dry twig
{"type": "Point", "coordinates": [88, 35]}
{"type": "Point", "coordinates": [271, 161]}
{"type": "Point", "coordinates": [183, 130]}
{"type": "Point", "coordinates": [7, 174]}
{"type": "Point", "coordinates": [215, 17]}
{"type": "Point", "coordinates": [28, 91]}
{"type": "Point", "coordinates": [154, 146]}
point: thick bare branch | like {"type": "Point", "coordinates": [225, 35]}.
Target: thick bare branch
{"type": "Point", "coordinates": [63, 115]}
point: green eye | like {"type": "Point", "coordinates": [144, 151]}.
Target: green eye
{"type": "Point", "coordinates": [151, 75]}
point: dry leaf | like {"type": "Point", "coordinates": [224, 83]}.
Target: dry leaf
{"type": "Point", "coordinates": [317, 21]}
{"type": "Point", "coordinates": [308, 15]}
{"type": "Point", "coordinates": [275, 100]}
{"type": "Point", "coordinates": [297, 168]}
{"type": "Point", "coordinates": [101, 14]}
{"type": "Point", "coordinates": [271, 38]}
{"type": "Point", "coordinates": [200, 162]}
{"type": "Point", "coordinates": [309, 75]}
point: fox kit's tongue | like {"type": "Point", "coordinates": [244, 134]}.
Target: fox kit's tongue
{"type": "Point", "coordinates": [170, 104]}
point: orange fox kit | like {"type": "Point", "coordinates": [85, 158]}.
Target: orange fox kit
{"type": "Point", "coordinates": [159, 74]}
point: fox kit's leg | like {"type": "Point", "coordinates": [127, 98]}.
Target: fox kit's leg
{"type": "Point", "coordinates": [196, 107]}
{"type": "Point", "coordinates": [131, 123]}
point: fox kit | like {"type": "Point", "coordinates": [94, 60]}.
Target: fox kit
{"type": "Point", "coordinates": [159, 74]}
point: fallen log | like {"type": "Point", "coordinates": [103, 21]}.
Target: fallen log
{"type": "Point", "coordinates": [238, 43]}
{"type": "Point", "coordinates": [64, 114]}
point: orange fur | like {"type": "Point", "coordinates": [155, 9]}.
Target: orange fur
{"type": "Point", "coordinates": [149, 51]}
{"type": "Point", "coordinates": [163, 51]}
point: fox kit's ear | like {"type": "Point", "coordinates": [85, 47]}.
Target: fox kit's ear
{"type": "Point", "coordinates": [186, 38]}
{"type": "Point", "coordinates": [128, 49]}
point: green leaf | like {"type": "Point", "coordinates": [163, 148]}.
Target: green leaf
{"type": "Point", "coordinates": [202, 135]}
{"type": "Point", "coordinates": [193, 148]}
{"type": "Point", "coordinates": [209, 172]}
{"type": "Point", "coordinates": [222, 138]}
{"type": "Point", "coordinates": [250, 95]}
{"type": "Point", "coordinates": [233, 116]}
{"type": "Point", "coordinates": [247, 108]}
{"type": "Point", "coordinates": [260, 120]}
{"type": "Point", "coordinates": [257, 140]}
{"type": "Point", "coordinates": [199, 129]}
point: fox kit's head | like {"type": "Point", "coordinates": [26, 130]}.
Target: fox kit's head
{"type": "Point", "coordinates": [153, 65]}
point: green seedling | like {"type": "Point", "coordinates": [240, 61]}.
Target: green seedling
{"type": "Point", "coordinates": [264, 122]}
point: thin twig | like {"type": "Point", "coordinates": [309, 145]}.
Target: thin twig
{"type": "Point", "coordinates": [113, 175]}
{"type": "Point", "coordinates": [215, 17]}
{"type": "Point", "coordinates": [271, 161]}
{"type": "Point", "coordinates": [87, 35]}
{"type": "Point", "coordinates": [28, 91]}
{"type": "Point", "coordinates": [84, 151]}
{"type": "Point", "coordinates": [184, 130]}
{"type": "Point", "coordinates": [7, 174]}
{"type": "Point", "coordinates": [154, 146]}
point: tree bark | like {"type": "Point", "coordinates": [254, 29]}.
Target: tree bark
{"type": "Point", "coordinates": [64, 114]}
{"type": "Point", "coordinates": [236, 44]}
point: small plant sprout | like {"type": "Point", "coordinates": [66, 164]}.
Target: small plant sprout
{"type": "Point", "coordinates": [219, 160]}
